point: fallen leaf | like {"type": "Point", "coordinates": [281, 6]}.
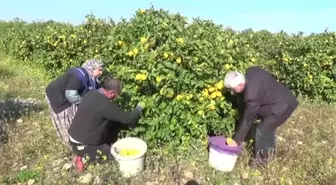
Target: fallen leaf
{"type": "Point", "coordinates": [31, 181]}
{"type": "Point", "coordinates": [67, 166]}
{"type": "Point", "coordinates": [23, 167]}
{"type": "Point", "coordinates": [85, 179]}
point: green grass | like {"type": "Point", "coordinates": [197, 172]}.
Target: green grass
{"type": "Point", "coordinates": [32, 151]}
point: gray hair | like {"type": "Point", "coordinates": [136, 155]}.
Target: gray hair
{"type": "Point", "coordinates": [233, 79]}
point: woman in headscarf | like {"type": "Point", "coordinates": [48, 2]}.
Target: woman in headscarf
{"type": "Point", "coordinates": [65, 93]}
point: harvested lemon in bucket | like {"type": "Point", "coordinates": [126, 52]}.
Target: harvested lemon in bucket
{"type": "Point", "coordinates": [229, 141]}
{"type": "Point", "coordinates": [129, 152]}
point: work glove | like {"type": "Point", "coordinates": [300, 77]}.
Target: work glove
{"type": "Point", "coordinates": [141, 106]}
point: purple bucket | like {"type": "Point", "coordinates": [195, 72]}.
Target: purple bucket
{"type": "Point", "coordinates": [219, 144]}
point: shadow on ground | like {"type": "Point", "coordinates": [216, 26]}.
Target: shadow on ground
{"type": "Point", "coordinates": [12, 109]}
{"type": "Point", "coordinates": [6, 73]}
{"type": "Point", "coordinates": [192, 182]}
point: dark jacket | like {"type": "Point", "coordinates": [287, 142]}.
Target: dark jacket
{"type": "Point", "coordinates": [94, 115]}
{"type": "Point", "coordinates": [263, 96]}
{"type": "Point", "coordinates": [74, 79]}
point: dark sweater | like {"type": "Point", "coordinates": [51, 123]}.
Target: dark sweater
{"type": "Point", "coordinates": [94, 114]}
{"type": "Point", "coordinates": [263, 96]}
{"type": "Point", "coordinates": [71, 80]}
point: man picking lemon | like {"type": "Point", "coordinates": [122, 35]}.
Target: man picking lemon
{"type": "Point", "coordinates": [266, 98]}
{"type": "Point", "coordinates": [90, 128]}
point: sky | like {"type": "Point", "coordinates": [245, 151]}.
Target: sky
{"type": "Point", "coordinates": [291, 16]}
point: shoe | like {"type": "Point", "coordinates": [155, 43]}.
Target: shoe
{"type": "Point", "coordinates": [78, 163]}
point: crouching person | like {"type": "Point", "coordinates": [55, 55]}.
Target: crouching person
{"type": "Point", "coordinates": [95, 114]}
{"type": "Point", "coordinates": [266, 98]}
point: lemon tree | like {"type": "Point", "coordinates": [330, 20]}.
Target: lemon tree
{"type": "Point", "coordinates": [176, 66]}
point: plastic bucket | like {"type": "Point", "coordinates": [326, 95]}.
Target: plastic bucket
{"type": "Point", "coordinates": [221, 156]}
{"type": "Point", "coordinates": [130, 165]}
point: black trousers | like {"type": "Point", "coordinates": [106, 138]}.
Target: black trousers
{"type": "Point", "coordinates": [265, 144]}
{"type": "Point", "coordinates": [92, 153]}
{"type": "Point", "coordinates": [99, 153]}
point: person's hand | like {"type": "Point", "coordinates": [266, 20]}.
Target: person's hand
{"type": "Point", "coordinates": [231, 143]}
{"type": "Point", "coordinates": [142, 105]}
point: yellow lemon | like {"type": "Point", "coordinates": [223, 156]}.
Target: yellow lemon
{"type": "Point", "coordinates": [158, 79]}
{"type": "Point", "coordinates": [129, 152]}
{"type": "Point", "coordinates": [229, 140]}
{"type": "Point", "coordinates": [205, 93]}
{"type": "Point", "coordinates": [143, 39]}
{"type": "Point", "coordinates": [211, 89]}
{"type": "Point", "coordinates": [212, 107]}
{"type": "Point", "coordinates": [219, 85]}
{"type": "Point", "coordinates": [179, 97]}
{"type": "Point", "coordinates": [142, 11]}
{"type": "Point", "coordinates": [143, 77]}
{"type": "Point", "coordinates": [166, 55]}
{"type": "Point", "coordinates": [227, 66]}
{"type": "Point", "coordinates": [130, 53]}
{"type": "Point", "coordinates": [120, 43]}
{"type": "Point", "coordinates": [161, 91]}
{"type": "Point", "coordinates": [218, 94]}
{"type": "Point", "coordinates": [213, 95]}
{"type": "Point", "coordinates": [180, 40]}
{"type": "Point", "coordinates": [179, 60]}
{"type": "Point", "coordinates": [135, 51]}
{"type": "Point", "coordinates": [138, 77]}
{"type": "Point", "coordinates": [189, 96]}
{"type": "Point", "coordinates": [170, 94]}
